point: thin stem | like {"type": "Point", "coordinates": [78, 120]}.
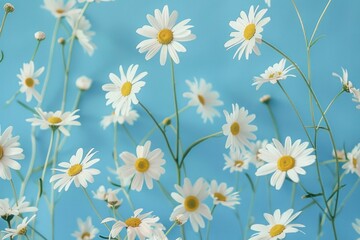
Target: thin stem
{"type": "Point", "coordinates": [52, 198]}
{"type": "Point", "coordinates": [319, 21]}
{"type": "Point", "coordinates": [128, 198]}
{"type": "Point", "coordinates": [48, 155]}
{"type": "Point", "coordinates": [132, 139]}
{"type": "Point", "coordinates": [176, 112]}
{"type": "Point", "coordinates": [349, 195]}
{"type": "Point", "coordinates": [165, 192]}
{"type": "Point", "coordinates": [183, 235]}
{"type": "Point", "coordinates": [300, 20]}
{"type": "Point", "coordinates": [32, 161]}
{"type": "Point", "coordinates": [209, 222]}
{"type": "Point", "coordinates": [329, 106]}
{"type": "Point", "coordinates": [169, 230]}
{"type": "Point", "coordinates": [14, 191]}
{"type": "Point", "coordinates": [12, 98]}
{"type": "Point", "coordinates": [115, 155]}
{"type": "Point", "coordinates": [178, 173]}
{"type": "Point", "coordinates": [272, 116]}
{"type": "Point", "coordinates": [251, 208]}
{"type": "Point", "coordinates": [3, 22]}
{"type": "Point", "coordinates": [36, 50]}
{"type": "Point", "coordinates": [293, 192]}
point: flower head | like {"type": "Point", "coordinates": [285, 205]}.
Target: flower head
{"type": "Point", "coordinates": [6, 211]}
{"type": "Point", "coordinates": [83, 83]}
{"type": "Point", "coordinates": [223, 195]}
{"type": "Point", "coordinates": [344, 79]}
{"type": "Point", "coordinates": [20, 230]}
{"type": "Point", "coordinates": [236, 161]}
{"type": "Point", "coordinates": [23, 207]}
{"type": "Point", "coordinates": [254, 152]}
{"type": "Point", "coordinates": [353, 163]}
{"type": "Point", "coordinates": [29, 79]}
{"type": "Point", "coordinates": [59, 9]}
{"type": "Point", "coordinates": [86, 231]}
{"type": "Point", "coordinates": [129, 118]}
{"type": "Point", "coordinates": [8, 7]}
{"type": "Point", "coordinates": [40, 36]}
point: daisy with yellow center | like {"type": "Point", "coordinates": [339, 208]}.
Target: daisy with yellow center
{"type": "Point", "coordinates": [353, 163]}
{"type": "Point", "coordinates": [191, 206]}
{"type": "Point", "coordinates": [164, 34]}
{"type": "Point", "coordinates": [238, 129]}
{"type": "Point", "coordinates": [20, 229]}
{"type": "Point", "coordinates": [59, 9]}
{"type": "Point", "coordinates": [204, 98]}
{"type": "Point", "coordinates": [121, 93]}
{"type": "Point", "coordinates": [87, 230]}
{"type": "Point", "coordinates": [279, 225]}
{"type": "Point", "coordinates": [285, 160]}
{"type": "Point", "coordinates": [145, 166]}
{"type": "Point", "coordinates": [344, 79]}
{"type": "Point", "coordinates": [77, 170]}
{"type": "Point", "coordinates": [236, 161]}
{"type": "Point", "coordinates": [29, 79]}
{"type": "Point", "coordinates": [248, 32]}
{"type": "Point", "coordinates": [223, 195]}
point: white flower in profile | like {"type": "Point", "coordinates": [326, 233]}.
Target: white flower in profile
{"type": "Point", "coordinates": [180, 219]}
{"type": "Point", "coordinates": [340, 154]}
{"type": "Point", "coordinates": [344, 79]}
{"type": "Point", "coordinates": [204, 98]}
{"type": "Point", "coordinates": [24, 207]}
{"type": "Point", "coordinates": [9, 152]}
{"type": "Point", "coordinates": [56, 120]}
{"type": "Point", "coordinates": [145, 166]}
{"type": "Point", "coordinates": [238, 129]}
{"type": "Point", "coordinates": [86, 231]}
{"type": "Point", "coordinates": [285, 160]}
{"type": "Point", "coordinates": [236, 161]}
{"type": "Point", "coordinates": [191, 199]}
{"type": "Point", "coordinates": [223, 195]}
{"type": "Point", "coordinates": [248, 29]}
{"type": "Point", "coordinates": [253, 153]}
{"type": "Point", "coordinates": [278, 226]}
{"type": "Point", "coordinates": [102, 193]}
{"type": "Point", "coordinates": [356, 226]}
{"type": "Point", "coordinates": [112, 200]}
{"type": "Point", "coordinates": [59, 9]}
{"type": "Point", "coordinates": [77, 170]}
{"type": "Point", "coordinates": [139, 225]}
{"type": "Point", "coordinates": [83, 83]}
{"type": "Point", "coordinates": [29, 79]}
{"type": "Point", "coordinates": [356, 97]}
{"type": "Point", "coordinates": [20, 229]}
{"type": "Point", "coordinates": [273, 74]}
{"type": "Point", "coordinates": [129, 118]}
{"type": "Point", "coordinates": [121, 93]}
{"type": "Point", "coordinates": [6, 211]}
{"type": "Point", "coordinates": [164, 34]}
{"type": "Point", "coordinates": [352, 165]}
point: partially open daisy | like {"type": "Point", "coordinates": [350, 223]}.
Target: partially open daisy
{"type": "Point", "coordinates": [279, 225]}
{"type": "Point", "coordinates": [9, 152]}
{"type": "Point", "coordinates": [356, 226]}
{"type": "Point", "coordinates": [58, 8]}
{"type": "Point", "coordinates": [238, 129]}
{"type": "Point", "coordinates": [121, 93]}
{"type": "Point", "coordinates": [248, 32]}
{"type": "Point", "coordinates": [285, 160]}
{"type": "Point", "coordinates": [273, 74]}
{"type": "Point", "coordinates": [253, 153]}
{"type": "Point", "coordinates": [20, 229]}
{"type": "Point", "coordinates": [236, 161]}
{"type": "Point", "coordinates": [57, 120]}
{"type": "Point", "coordinates": [223, 195]}
{"type": "Point", "coordinates": [6, 211]}
{"type": "Point", "coordinates": [164, 34]}
{"type": "Point", "coordinates": [129, 118]}
{"type": "Point", "coordinates": [145, 166]}
{"type": "Point", "coordinates": [29, 79]}
{"type": "Point", "coordinates": [352, 165]}
{"type": "Point", "coordinates": [77, 170]}
{"type": "Point", "coordinates": [86, 231]}
{"type": "Point", "coordinates": [24, 207]}
{"type": "Point", "coordinates": [191, 199]}
{"type": "Point", "coordinates": [204, 98]}
{"type": "Point", "coordinates": [344, 79]}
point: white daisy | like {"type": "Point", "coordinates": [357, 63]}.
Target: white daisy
{"type": "Point", "coordinates": [29, 79]}
{"type": "Point", "coordinates": [353, 163]}
{"type": "Point", "coordinates": [138, 225]}
{"type": "Point", "coordinates": [56, 120]}
{"type": "Point", "coordinates": [77, 171]}
{"type": "Point", "coordinates": [200, 95]}
{"type": "Point", "coordinates": [145, 166]}
{"type": "Point", "coordinates": [285, 160]}
{"type": "Point", "coordinates": [279, 225]}
{"type": "Point", "coordinates": [6, 211]}
{"type": "Point", "coordinates": [238, 128]}
{"type": "Point", "coordinates": [23, 207]}
{"type": "Point", "coordinates": [59, 9]}
{"type": "Point", "coordinates": [83, 83]}
{"type": "Point", "coordinates": [273, 74]}
{"type": "Point", "coordinates": [356, 226]}
{"type": "Point", "coordinates": [340, 154]}
{"type": "Point", "coordinates": [165, 35]}
{"type": "Point", "coordinates": [9, 152]}
{"type": "Point", "coordinates": [87, 230]}
{"type": "Point", "coordinates": [356, 97]}
{"type": "Point", "coordinates": [20, 230]}
{"type": "Point", "coordinates": [180, 219]}
{"type": "Point", "coordinates": [122, 91]}
{"type": "Point", "coordinates": [191, 205]}
{"type": "Point", "coordinates": [344, 79]}
{"type": "Point", "coordinates": [112, 200]}
{"type": "Point", "coordinates": [129, 118]}
{"type": "Point", "coordinates": [253, 154]}
{"type": "Point", "coordinates": [102, 193]}
{"type": "Point", "coordinates": [157, 232]}
{"type": "Point", "coordinates": [248, 32]}
{"type": "Point", "coordinates": [223, 195]}
{"type": "Point", "coordinates": [236, 161]}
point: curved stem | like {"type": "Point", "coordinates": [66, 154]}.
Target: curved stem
{"type": "Point", "coordinates": [128, 198]}
{"type": "Point", "coordinates": [32, 161]}
{"type": "Point", "coordinates": [209, 222]}
{"type": "Point", "coordinates": [115, 155]}
{"type": "Point", "coordinates": [272, 116]}
{"type": "Point", "coordinates": [47, 155]}
{"type": "Point", "coordinates": [132, 139]}
{"type": "Point", "coordinates": [176, 112]}
{"type": "Point", "coordinates": [319, 21]}
{"type": "Point", "coordinates": [36, 50]}
{"type": "Point", "coordinates": [169, 230]}
{"type": "Point", "coordinates": [165, 192]}
{"type": "Point", "coordinates": [3, 22]}
{"type": "Point", "coordinates": [328, 107]}
{"type": "Point", "coordinates": [14, 192]}
{"type": "Point", "coordinates": [349, 195]}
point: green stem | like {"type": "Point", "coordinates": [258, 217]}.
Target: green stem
{"type": "Point", "coordinates": [12, 98]}
{"type": "Point", "coordinates": [169, 230]}
{"type": "Point", "coordinates": [3, 22]}
{"type": "Point", "coordinates": [115, 154]}
{"type": "Point", "coordinates": [329, 106]}
{"type": "Point", "coordinates": [349, 194]}
{"type": "Point", "coordinates": [52, 198]}
{"type": "Point", "coordinates": [272, 116]}
{"type": "Point", "coordinates": [293, 192]}
{"type": "Point", "coordinates": [209, 222]}
{"type": "Point", "coordinates": [165, 192]}
{"type": "Point", "coordinates": [250, 209]}
{"type": "Point", "coordinates": [32, 161]}
{"type": "Point", "coordinates": [47, 155]}
{"type": "Point", "coordinates": [319, 21]}
{"type": "Point", "coordinates": [176, 112]}
{"type": "Point", "coordinates": [132, 139]}
{"type": "Point", "coordinates": [127, 196]}
{"type": "Point", "coordinates": [269, 187]}
{"type": "Point", "coordinates": [14, 191]}
{"type": "Point", "coordinates": [36, 50]}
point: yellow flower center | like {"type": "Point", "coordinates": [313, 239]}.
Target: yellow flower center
{"type": "Point", "coordinates": [235, 128]}
{"type": "Point", "coordinates": [1, 152]}
{"type": "Point", "coordinates": [22, 231]}
{"type": "Point", "coordinates": [238, 163]}
{"type": "Point", "coordinates": [85, 235]}
{"type": "Point", "coordinates": [271, 75]}
{"type": "Point", "coordinates": [220, 197]}
{"type": "Point", "coordinates": [191, 203]}
{"type": "Point", "coordinates": [142, 165]}
{"type": "Point", "coordinates": [29, 82]}
{"type": "Point", "coordinates": [133, 222]}
{"type": "Point", "coordinates": [74, 170]}
{"type": "Point", "coordinates": [165, 36]}
{"type": "Point", "coordinates": [126, 89]}
{"type": "Point", "coordinates": [285, 163]}
{"type": "Point", "coordinates": [54, 120]}
{"type": "Point", "coordinates": [354, 160]}
{"type": "Point", "coordinates": [276, 230]}
{"type": "Point", "coordinates": [201, 99]}
{"type": "Point", "coordinates": [249, 31]}
{"type": "Point", "coordinates": [60, 11]}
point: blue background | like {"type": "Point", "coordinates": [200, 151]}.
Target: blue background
{"type": "Point", "coordinates": [115, 24]}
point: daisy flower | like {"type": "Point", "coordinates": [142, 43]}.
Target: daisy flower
{"type": "Point", "coordinates": [356, 97]}
{"type": "Point", "coordinates": [138, 225]}
{"type": "Point", "coordinates": [344, 79]}
{"type": "Point", "coordinates": [253, 154]}
{"type": "Point", "coordinates": [145, 166]}
{"type": "Point", "coordinates": [59, 9]}
{"type": "Point", "coordinates": [356, 226]}
{"type": "Point", "coordinates": [164, 34]}
{"type": "Point", "coordinates": [102, 193]}
{"type": "Point", "coordinates": [9, 152]}
{"type": "Point", "coordinates": [273, 74]}
{"type": "Point", "coordinates": [236, 162]}
{"type": "Point", "coordinates": [285, 160]}
{"type": "Point", "coordinates": [191, 205]}
{"type": "Point", "coordinates": [20, 230]}
{"type": "Point", "coordinates": [87, 230]}
{"type": "Point", "coordinates": [112, 200]}
{"type": "Point", "coordinates": [29, 79]}
{"type": "Point", "coordinates": [248, 32]}
{"type": "Point", "coordinates": [129, 118]}
{"type": "Point", "coordinates": [200, 95]}
{"type": "Point", "coordinates": [6, 211]}
{"type": "Point", "coordinates": [128, 84]}
{"type": "Point", "coordinates": [238, 129]}
{"type": "Point", "coordinates": [23, 207]}
{"type": "Point", "coordinates": [279, 225]}
{"type": "Point", "coordinates": [223, 195]}
{"type": "Point", "coordinates": [353, 164]}
{"type": "Point", "coordinates": [77, 171]}
{"type": "Point", "coordinates": [57, 120]}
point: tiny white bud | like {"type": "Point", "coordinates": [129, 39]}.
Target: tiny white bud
{"type": "Point", "coordinates": [265, 99]}
{"type": "Point", "coordinates": [8, 7]}
{"type": "Point", "coordinates": [40, 36]}
{"type": "Point", "coordinates": [83, 83]}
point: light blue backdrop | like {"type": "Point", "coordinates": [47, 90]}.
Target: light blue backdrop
{"type": "Point", "coordinates": [115, 24]}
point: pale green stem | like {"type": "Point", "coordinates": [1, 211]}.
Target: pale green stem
{"type": "Point", "coordinates": [169, 230]}
{"type": "Point", "coordinates": [250, 209]}
{"type": "Point", "coordinates": [269, 188]}
{"type": "Point", "coordinates": [14, 192]}
{"type": "Point", "coordinates": [349, 194]}
{"type": "Point", "coordinates": [237, 174]}
{"type": "Point", "coordinates": [319, 21]}
{"type": "Point", "coordinates": [176, 112]}
{"type": "Point", "coordinates": [127, 196]}
{"type": "Point", "coordinates": [272, 116]}
{"type": "Point", "coordinates": [32, 161]}
{"type": "Point", "coordinates": [328, 107]}
{"type": "Point", "coordinates": [36, 50]}
{"type": "Point", "coordinates": [132, 139]}
{"type": "Point", "coordinates": [52, 198]}
{"type": "Point", "coordinates": [209, 222]}
{"type": "Point", "coordinates": [165, 192]}
{"type": "Point", "coordinates": [293, 192]}
{"type": "Point", "coordinates": [183, 235]}
{"type": "Point", "coordinates": [47, 155]}
{"type": "Point", "coordinates": [148, 135]}
{"type": "Point", "coordinates": [12, 98]}
{"type": "Point", "coordinates": [3, 22]}
{"type": "Point", "coordinates": [115, 155]}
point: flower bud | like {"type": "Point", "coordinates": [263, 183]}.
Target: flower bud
{"type": "Point", "coordinates": [39, 36]}
{"type": "Point", "coordinates": [166, 121]}
{"type": "Point", "coordinates": [265, 99]}
{"type": "Point", "coordinates": [83, 83]}
{"type": "Point", "coordinates": [8, 7]}
{"type": "Point", "coordinates": [61, 41]}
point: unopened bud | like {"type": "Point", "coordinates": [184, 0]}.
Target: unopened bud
{"type": "Point", "coordinates": [83, 83]}
{"type": "Point", "coordinates": [8, 7]}
{"type": "Point", "coordinates": [166, 121]}
{"type": "Point", "coordinates": [265, 99]}
{"type": "Point", "coordinates": [61, 41]}
{"type": "Point", "coordinates": [39, 36]}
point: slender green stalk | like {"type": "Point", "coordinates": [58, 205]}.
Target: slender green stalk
{"type": "Point", "coordinates": [329, 106]}
{"type": "Point", "coordinates": [349, 195]}
{"type": "Point", "coordinates": [272, 116]}
{"type": "Point", "coordinates": [169, 230]}
{"type": "Point", "coordinates": [36, 50]}
{"type": "Point", "coordinates": [237, 175]}
{"type": "Point", "coordinates": [293, 192]}
{"type": "Point", "coordinates": [115, 155]}
{"type": "Point", "coordinates": [12, 98]}
{"type": "Point", "coordinates": [31, 164]}
{"type": "Point", "coordinates": [183, 235]}
{"type": "Point", "coordinates": [301, 21]}
{"type": "Point", "coordinates": [3, 23]}
{"type": "Point", "coordinates": [48, 155]}
{"type": "Point", "coordinates": [319, 21]}
{"type": "Point", "coordinates": [14, 191]}
{"type": "Point", "coordinates": [127, 196]}
{"type": "Point", "coordinates": [148, 135]}
{"type": "Point", "coordinates": [251, 208]}
{"type": "Point", "coordinates": [52, 198]}
{"type": "Point", "coordinates": [176, 112]}
{"type": "Point", "coordinates": [178, 173]}
{"type": "Point", "coordinates": [165, 192]}
{"type": "Point", "coordinates": [209, 222]}
{"type": "Point", "coordinates": [128, 133]}
{"type": "Point", "coordinates": [269, 193]}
